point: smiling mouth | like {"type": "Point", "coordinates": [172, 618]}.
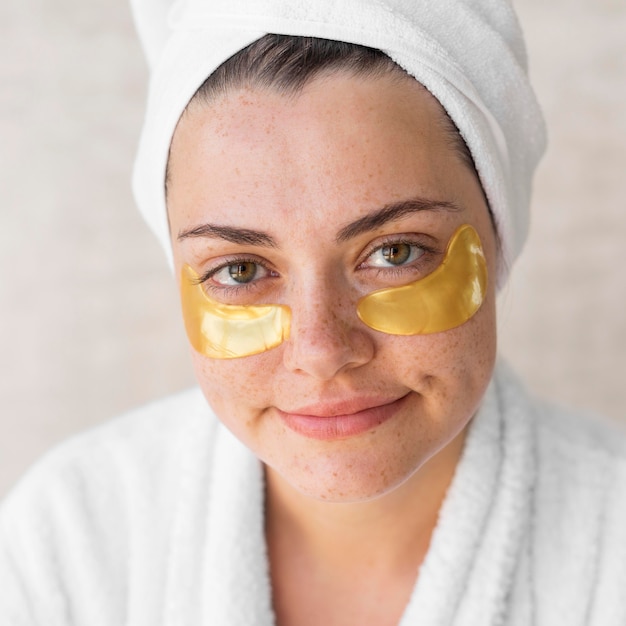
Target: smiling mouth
{"type": "Point", "coordinates": [340, 421]}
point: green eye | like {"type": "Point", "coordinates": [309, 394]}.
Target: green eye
{"type": "Point", "coordinates": [236, 273]}
{"type": "Point", "coordinates": [397, 253]}
{"type": "Point", "coordinates": [242, 272]}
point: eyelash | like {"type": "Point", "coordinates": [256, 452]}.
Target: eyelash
{"type": "Point", "coordinates": [388, 271]}
{"type": "Point", "coordinates": [427, 253]}
{"type": "Point", "coordinates": [204, 279]}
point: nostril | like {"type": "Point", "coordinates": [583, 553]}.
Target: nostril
{"type": "Point", "coordinates": [326, 345]}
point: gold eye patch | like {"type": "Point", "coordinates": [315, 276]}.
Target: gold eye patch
{"type": "Point", "coordinates": [443, 300]}
{"type": "Point", "coordinates": [227, 331]}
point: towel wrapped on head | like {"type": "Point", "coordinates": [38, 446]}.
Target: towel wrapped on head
{"type": "Point", "coordinates": [469, 54]}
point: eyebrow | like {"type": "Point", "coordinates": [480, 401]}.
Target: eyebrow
{"type": "Point", "coordinates": [371, 221]}
{"type": "Point", "coordinates": [391, 212]}
{"type": "Point", "coordinates": [244, 236]}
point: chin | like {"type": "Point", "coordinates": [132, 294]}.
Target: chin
{"type": "Point", "coordinates": [352, 471]}
{"type": "Point", "coordinates": [351, 488]}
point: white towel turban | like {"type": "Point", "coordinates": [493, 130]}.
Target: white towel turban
{"type": "Point", "coordinates": [469, 54]}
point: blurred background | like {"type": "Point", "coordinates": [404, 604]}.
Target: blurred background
{"type": "Point", "coordinates": [89, 325]}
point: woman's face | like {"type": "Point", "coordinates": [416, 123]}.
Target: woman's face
{"type": "Point", "coordinates": [293, 188]}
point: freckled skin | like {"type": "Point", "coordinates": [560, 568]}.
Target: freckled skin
{"type": "Point", "coordinates": [300, 168]}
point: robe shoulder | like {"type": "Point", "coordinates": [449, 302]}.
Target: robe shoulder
{"type": "Point", "coordinates": [579, 521]}
{"type": "Point", "coordinates": [73, 528]}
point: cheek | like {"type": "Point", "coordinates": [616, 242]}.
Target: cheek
{"type": "Point", "coordinates": [236, 387]}
{"type": "Point", "coordinates": [453, 366]}
{"type": "Point", "coordinates": [222, 381]}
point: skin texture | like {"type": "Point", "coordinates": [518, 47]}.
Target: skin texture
{"type": "Point", "coordinates": [300, 168]}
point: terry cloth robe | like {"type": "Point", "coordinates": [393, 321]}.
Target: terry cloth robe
{"type": "Point", "coordinates": [156, 519]}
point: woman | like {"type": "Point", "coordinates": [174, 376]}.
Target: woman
{"type": "Point", "coordinates": [338, 229]}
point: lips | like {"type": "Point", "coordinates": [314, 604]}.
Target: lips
{"type": "Point", "coordinates": [340, 420]}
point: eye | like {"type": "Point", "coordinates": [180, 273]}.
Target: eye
{"type": "Point", "coordinates": [238, 273]}
{"type": "Point", "coordinates": [394, 254]}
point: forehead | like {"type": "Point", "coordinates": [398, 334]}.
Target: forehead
{"type": "Point", "coordinates": [342, 144]}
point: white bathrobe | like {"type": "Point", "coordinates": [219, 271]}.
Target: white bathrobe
{"type": "Point", "coordinates": [156, 519]}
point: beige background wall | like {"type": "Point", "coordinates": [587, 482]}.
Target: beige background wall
{"type": "Point", "coordinates": [88, 318]}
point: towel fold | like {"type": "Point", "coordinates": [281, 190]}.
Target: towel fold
{"type": "Point", "coordinates": [469, 53]}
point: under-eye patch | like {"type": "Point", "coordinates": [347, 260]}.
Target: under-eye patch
{"type": "Point", "coordinates": [445, 299]}
{"type": "Point", "coordinates": [227, 331]}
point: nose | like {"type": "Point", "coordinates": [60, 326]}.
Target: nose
{"type": "Point", "coordinates": [326, 337]}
